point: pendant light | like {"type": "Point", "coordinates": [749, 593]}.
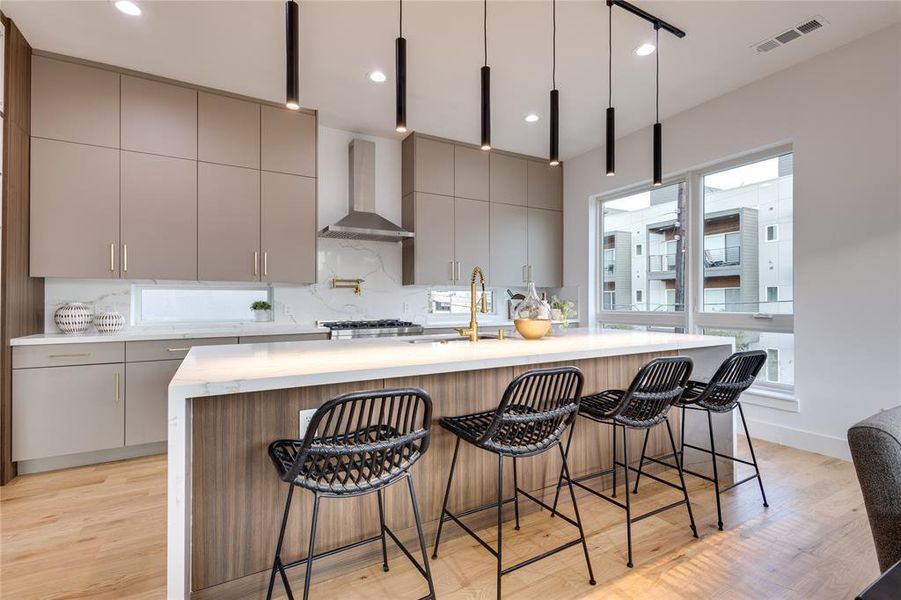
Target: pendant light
{"type": "Point", "coordinates": [400, 46]}
{"type": "Point", "coordinates": [554, 154]}
{"type": "Point", "coordinates": [658, 129]}
{"type": "Point", "coordinates": [292, 56]}
{"type": "Point", "coordinates": [486, 85]}
{"type": "Point", "coordinates": [611, 135]}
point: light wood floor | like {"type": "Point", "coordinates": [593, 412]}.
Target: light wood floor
{"type": "Point", "coordinates": [100, 532]}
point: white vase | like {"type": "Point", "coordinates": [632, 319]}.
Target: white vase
{"type": "Point", "coordinates": [262, 316]}
{"type": "Point", "coordinates": [73, 318]}
{"type": "Point", "coordinates": [109, 322]}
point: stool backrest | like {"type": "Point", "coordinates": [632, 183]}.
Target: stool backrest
{"type": "Point", "coordinates": [653, 390]}
{"type": "Point", "coordinates": [536, 409]}
{"type": "Point", "coordinates": [734, 376]}
{"type": "Point", "coordinates": [363, 439]}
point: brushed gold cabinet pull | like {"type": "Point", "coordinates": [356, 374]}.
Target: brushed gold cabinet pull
{"type": "Point", "coordinates": [256, 263]}
{"type": "Point", "coordinates": [71, 355]}
{"type": "Point", "coordinates": [112, 257]}
{"type": "Point", "coordinates": [524, 276]}
{"type": "Point", "coordinates": [453, 266]}
{"type": "Point", "coordinates": [177, 349]}
{"type": "Point", "coordinates": [117, 389]}
{"type": "Point", "coordinates": [265, 263]}
{"type": "Point", "coordinates": [125, 257]}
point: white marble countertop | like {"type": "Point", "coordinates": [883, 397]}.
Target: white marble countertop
{"type": "Point", "coordinates": [212, 370]}
{"type": "Point", "coordinates": [137, 334]}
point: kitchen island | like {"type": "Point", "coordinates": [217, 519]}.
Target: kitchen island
{"type": "Point", "coordinates": [227, 403]}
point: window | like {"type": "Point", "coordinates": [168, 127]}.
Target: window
{"type": "Point", "coordinates": [644, 219]}
{"type": "Point", "coordinates": [722, 299]}
{"type": "Point", "coordinates": [159, 304]}
{"type": "Point", "coordinates": [772, 293]}
{"type": "Point", "coordinates": [455, 301]}
{"type": "Point", "coordinates": [772, 365]}
{"type": "Point", "coordinates": [772, 233]}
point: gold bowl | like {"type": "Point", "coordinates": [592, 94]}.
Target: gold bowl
{"type": "Point", "coordinates": [532, 329]}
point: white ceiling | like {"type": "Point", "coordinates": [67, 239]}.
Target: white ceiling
{"type": "Point", "coordinates": [239, 47]}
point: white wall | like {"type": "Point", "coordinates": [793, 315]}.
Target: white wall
{"type": "Point", "coordinates": [840, 111]}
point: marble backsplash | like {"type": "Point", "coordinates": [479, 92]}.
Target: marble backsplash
{"type": "Point", "coordinates": [378, 263]}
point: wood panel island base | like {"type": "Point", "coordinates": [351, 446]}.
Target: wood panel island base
{"type": "Point", "coordinates": [227, 403]}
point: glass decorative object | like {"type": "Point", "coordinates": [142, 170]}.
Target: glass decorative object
{"type": "Point", "coordinates": [532, 316]}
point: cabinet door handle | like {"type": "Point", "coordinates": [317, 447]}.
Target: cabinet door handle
{"type": "Point", "coordinates": [256, 263]}
{"type": "Point", "coordinates": [71, 355]}
{"type": "Point", "coordinates": [125, 258]}
{"type": "Point", "coordinates": [453, 266]}
{"type": "Point", "coordinates": [177, 349]}
{"type": "Point", "coordinates": [265, 263]}
{"type": "Point", "coordinates": [524, 273]}
{"type": "Point", "coordinates": [112, 257]}
{"type": "Point", "coordinates": [117, 389]}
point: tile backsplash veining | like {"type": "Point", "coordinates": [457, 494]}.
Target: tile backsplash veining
{"type": "Point", "coordinates": [378, 263]}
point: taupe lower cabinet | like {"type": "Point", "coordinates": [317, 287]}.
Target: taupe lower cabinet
{"type": "Point", "coordinates": [68, 410]}
{"type": "Point", "coordinates": [74, 210]}
{"type": "Point", "coordinates": [137, 178]}
{"type": "Point", "coordinates": [146, 385]}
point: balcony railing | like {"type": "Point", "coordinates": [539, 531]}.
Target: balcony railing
{"type": "Point", "coordinates": [722, 257]}
{"type": "Point", "coordinates": [609, 267]}
{"type": "Point", "coordinates": [662, 262]}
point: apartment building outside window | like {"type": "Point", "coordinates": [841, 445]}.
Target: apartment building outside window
{"type": "Point", "coordinates": [718, 259]}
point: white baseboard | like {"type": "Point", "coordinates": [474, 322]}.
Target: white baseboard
{"type": "Point", "coordinates": [836, 447]}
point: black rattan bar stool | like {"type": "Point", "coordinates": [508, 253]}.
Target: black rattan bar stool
{"type": "Point", "coordinates": [721, 394]}
{"type": "Point", "coordinates": [535, 410]}
{"type": "Point", "coordinates": [643, 406]}
{"type": "Point", "coordinates": [355, 444]}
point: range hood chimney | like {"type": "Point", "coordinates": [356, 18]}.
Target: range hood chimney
{"type": "Point", "coordinates": [362, 222]}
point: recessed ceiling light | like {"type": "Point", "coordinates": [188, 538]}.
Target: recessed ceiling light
{"type": "Point", "coordinates": [530, 118]}
{"type": "Point", "coordinates": [128, 7]}
{"type": "Point", "coordinates": [377, 76]}
{"type": "Point", "coordinates": [645, 49]}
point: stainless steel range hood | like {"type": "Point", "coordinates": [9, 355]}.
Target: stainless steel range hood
{"type": "Point", "coordinates": [362, 222]}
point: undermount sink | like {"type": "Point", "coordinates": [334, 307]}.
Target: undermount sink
{"type": "Point", "coordinates": [448, 338]}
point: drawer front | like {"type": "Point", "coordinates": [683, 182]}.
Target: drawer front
{"type": "Point", "coordinates": [169, 349]}
{"type": "Point", "coordinates": [294, 337]}
{"type": "Point", "coordinates": [147, 398]}
{"type": "Point", "coordinates": [68, 410]}
{"type": "Point", "coordinates": [62, 355]}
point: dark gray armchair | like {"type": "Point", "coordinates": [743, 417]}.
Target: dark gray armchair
{"type": "Point", "coordinates": [876, 449]}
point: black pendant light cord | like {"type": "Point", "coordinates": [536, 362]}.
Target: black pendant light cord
{"type": "Point", "coordinates": [657, 43]}
{"type": "Point", "coordinates": [485, 30]}
{"type": "Point", "coordinates": [554, 50]}
{"type": "Point", "coordinates": [400, 18]}
{"type": "Point", "coordinates": [610, 56]}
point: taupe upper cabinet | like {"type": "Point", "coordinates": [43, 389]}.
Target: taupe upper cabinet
{"type": "Point", "coordinates": [159, 217]}
{"type": "Point", "coordinates": [288, 141]}
{"type": "Point", "coordinates": [74, 210]}
{"type": "Point", "coordinates": [159, 118]}
{"type": "Point", "coordinates": [433, 166]}
{"type": "Point", "coordinates": [74, 103]}
{"type": "Point", "coordinates": [470, 173]}
{"type": "Point", "coordinates": [228, 131]}
{"type": "Point", "coordinates": [288, 206]}
{"type": "Point", "coordinates": [228, 227]}
{"type": "Point", "coordinates": [509, 241]}
{"type": "Point", "coordinates": [546, 247]}
{"type": "Point", "coordinates": [433, 224]}
{"type": "Point", "coordinates": [545, 186]}
{"type": "Point", "coordinates": [471, 227]}
{"type": "Point", "coordinates": [508, 179]}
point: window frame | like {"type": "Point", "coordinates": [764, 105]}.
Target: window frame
{"type": "Point", "coordinates": [766, 233]}
{"type": "Point", "coordinates": [137, 301]}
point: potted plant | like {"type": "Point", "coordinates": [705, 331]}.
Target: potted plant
{"type": "Point", "coordinates": [261, 310]}
{"type": "Point", "coordinates": [561, 312]}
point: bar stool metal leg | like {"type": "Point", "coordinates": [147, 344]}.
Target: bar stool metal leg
{"type": "Point", "coordinates": [309, 576]}
{"type": "Point", "coordinates": [672, 441]}
{"type": "Point", "coordinates": [572, 496]}
{"type": "Point", "coordinates": [277, 563]}
{"type": "Point", "coordinates": [422, 546]}
{"type": "Point", "coordinates": [753, 457]}
{"type": "Point", "coordinates": [382, 526]}
{"type": "Point", "coordinates": [500, 519]}
{"type": "Point", "coordinates": [644, 448]}
{"type": "Point", "coordinates": [515, 494]}
{"type": "Point", "coordinates": [716, 479]}
{"type": "Point", "coordinates": [450, 477]}
{"type": "Point", "coordinates": [560, 479]}
{"type": "Point", "coordinates": [614, 462]}
{"type": "Point", "coordinates": [628, 500]}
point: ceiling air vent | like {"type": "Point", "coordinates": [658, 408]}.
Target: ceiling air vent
{"type": "Point", "coordinates": [807, 26]}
